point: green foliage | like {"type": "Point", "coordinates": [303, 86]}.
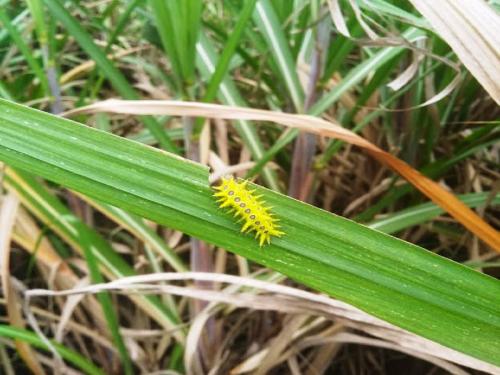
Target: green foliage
{"type": "Point", "coordinates": [178, 23]}
{"type": "Point", "coordinates": [394, 280]}
{"type": "Point", "coordinates": [253, 53]}
{"type": "Point", "coordinates": [31, 338]}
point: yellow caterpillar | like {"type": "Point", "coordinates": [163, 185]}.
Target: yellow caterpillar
{"type": "Point", "coordinates": [249, 208]}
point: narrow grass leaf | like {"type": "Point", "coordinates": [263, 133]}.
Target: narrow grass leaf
{"type": "Point", "coordinates": [141, 230]}
{"type": "Point", "coordinates": [29, 337]}
{"type": "Point", "coordinates": [59, 218]}
{"type": "Point", "coordinates": [25, 49]}
{"type": "Point", "coordinates": [228, 52]}
{"type": "Point", "coordinates": [424, 212]}
{"type": "Point", "coordinates": [268, 23]}
{"type": "Point", "coordinates": [110, 71]}
{"type": "Point", "coordinates": [228, 93]}
{"type": "Point", "coordinates": [358, 73]}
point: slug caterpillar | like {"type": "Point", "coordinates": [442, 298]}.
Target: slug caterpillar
{"type": "Point", "coordinates": [249, 208]}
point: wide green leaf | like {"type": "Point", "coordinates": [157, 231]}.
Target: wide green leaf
{"type": "Point", "coordinates": [389, 278]}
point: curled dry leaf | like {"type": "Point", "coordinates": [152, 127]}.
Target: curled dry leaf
{"type": "Point", "coordinates": [88, 65]}
{"type": "Point", "coordinates": [290, 300]}
{"type": "Point", "coordinates": [8, 214]}
{"type": "Point", "coordinates": [338, 18]}
{"type": "Point", "coordinates": [359, 17]}
{"type": "Point", "coordinates": [472, 29]}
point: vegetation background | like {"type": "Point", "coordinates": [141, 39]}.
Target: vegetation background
{"type": "Point", "coordinates": [342, 104]}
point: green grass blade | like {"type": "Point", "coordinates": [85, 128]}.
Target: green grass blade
{"type": "Point", "coordinates": [228, 52]}
{"type": "Point", "coordinates": [4, 92]}
{"type": "Point", "coordinates": [36, 9]}
{"type": "Point", "coordinates": [425, 212]}
{"type": "Point", "coordinates": [114, 75]}
{"type": "Point", "coordinates": [285, 138]}
{"type": "Point", "coordinates": [178, 24]}
{"type": "Point", "coordinates": [137, 226]}
{"type": "Point", "coordinates": [27, 52]}
{"type": "Point", "coordinates": [348, 82]}
{"type": "Point", "coordinates": [266, 19]}
{"type": "Point", "coordinates": [167, 32]}
{"type": "Point", "coordinates": [191, 26]}
{"type": "Point", "coordinates": [106, 302]}
{"type": "Point", "coordinates": [122, 21]}
{"type": "Point", "coordinates": [49, 210]}
{"type": "Point", "coordinates": [229, 94]}
{"type": "Point", "coordinates": [360, 72]}
{"type": "Point", "coordinates": [68, 354]}
{"type": "Point", "coordinates": [16, 22]}
{"type": "Point", "coordinates": [390, 9]}
{"type": "Point", "coordinates": [389, 278]}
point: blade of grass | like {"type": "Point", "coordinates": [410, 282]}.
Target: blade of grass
{"type": "Point", "coordinates": [87, 243]}
{"type": "Point", "coordinates": [42, 32]}
{"type": "Point", "coordinates": [348, 82]}
{"type": "Point", "coordinates": [4, 92]}
{"type": "Point", "coordinates": [229, 94]}
{"type": "Point", "coordinates": [253, 37]}
{"type": "Point", "coordinates": [16, 22]}
{"type": "Point", "coordinates": [8, 216]}
{"type": "Point", "coordinates": [375, 82]}
{"type": "Point", "coordinates": [398, 12]}
{"type": "Point", "coordinates": [137, 226]}
{"type": "Point", "coordinates": [424, 212]}
{"type": "Point", "coordinates": [116, 78]}
{"type": "Point", "coordinates": [178, 23]}
{"type": "Point", "coordinates": [339, 51]}
{"type": "Point", "coordinates": [228, 52]}
{"type": "Point", "coordinates": [358, 73]}
{"type": "Point", "coordinates": [268, 23]}
{"type": "Point", "coordinates": [433, 170]}
{"type": "Point", "coordinates": [36, 10]}
{"type": "Point", "coordinates": [68, 354]}
{"type": "Point", "coordinates": [59, 218]}
{"type": "Point", "coordinates": [27, 52]}
{"type": "Point", "coordinates": [166, 29]}
{"type": "Point", "coordinates": [121, 23]}
{"type": "Point", "coordinates": [389, 278]}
